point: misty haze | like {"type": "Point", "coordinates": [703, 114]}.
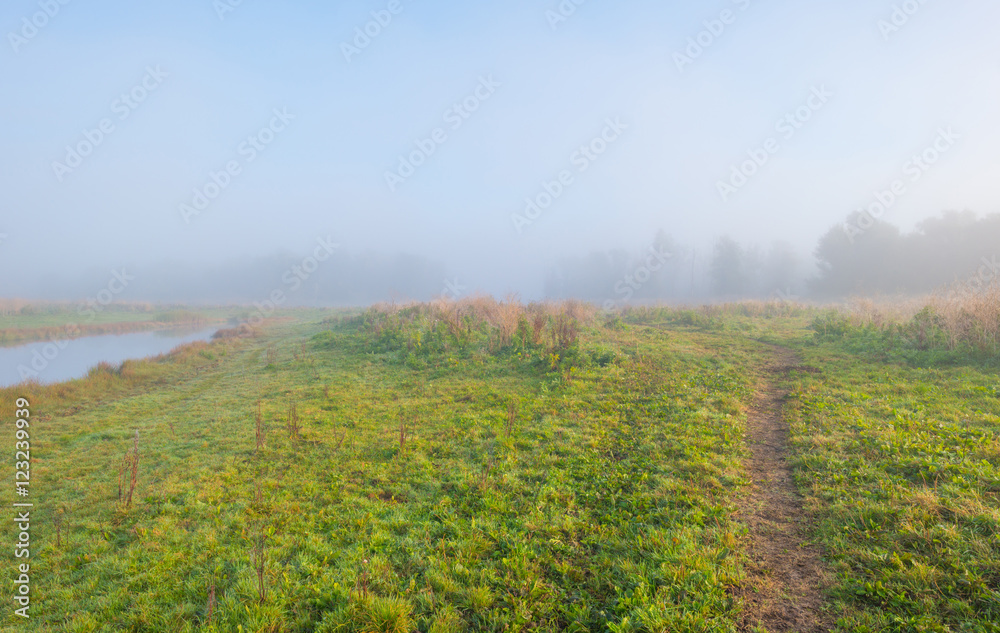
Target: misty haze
{"type": "Point", "coordinates": [553, 315]}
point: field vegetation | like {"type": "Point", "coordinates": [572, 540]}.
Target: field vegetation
{"type": "Point", "coordinates": [490, 465]}
{"type": "Point", "coordinates": [24, 322]}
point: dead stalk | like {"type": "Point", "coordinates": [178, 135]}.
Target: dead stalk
{"type": "Point", "coordinates": [58, 521]}
{"type": "Point", "coordinates": [211, 602]}
{"type": "Point", "coordinates": [261, 431]}
{"type": "Point", "coordinates": [128, 471]}
{"type": "Point", "coordinates": [511, 416]}
{"type": "Point", "coordinates": [294, 426]}
{"type": "Point", "coordinates": [257, 555]}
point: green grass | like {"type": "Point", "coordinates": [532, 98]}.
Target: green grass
{"type": "Point", "coordinates": [62, 321]}
{"type": "Point", "coordinates": [606, 503]}
{"type": "Point", "coordinates": [900, 465]}
{"type": "Point", "coordinates": [450, 480]}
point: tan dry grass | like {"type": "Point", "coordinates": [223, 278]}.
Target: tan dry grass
{"type": "Point", "coordinates": [502, 317]}
{"type": "Point", "coordinates": [966, 313]}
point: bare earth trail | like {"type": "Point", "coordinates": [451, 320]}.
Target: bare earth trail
{"type": "Point", "coordinates": [786, 577]}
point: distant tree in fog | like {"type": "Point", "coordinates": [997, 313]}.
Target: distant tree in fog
{"type": "Point", "coordinates": [881, 259]}
{"type": "Point", "coordinates": [780, 269]}
{"type": "Point", "coordinates": [729, 268]}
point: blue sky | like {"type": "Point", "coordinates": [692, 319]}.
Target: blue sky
{"type": "Point", "coordinates": [324, 173]}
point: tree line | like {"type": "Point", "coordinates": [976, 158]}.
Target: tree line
{"type": "Point", "coordinates": [862, 256]}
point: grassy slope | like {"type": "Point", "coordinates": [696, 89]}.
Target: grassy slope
{"type": "Point", "coordinates": [603, 507]}
{"type": "Point", "coordinates": [900, 465]}
{"type": "Point", "coordinates": [608, 507]}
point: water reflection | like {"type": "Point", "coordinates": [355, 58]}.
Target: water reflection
{"type": "Point", "coordinates": [57, 361]}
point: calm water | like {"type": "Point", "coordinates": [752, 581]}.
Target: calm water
{"type": "Point", "coordinates": [66, 360]}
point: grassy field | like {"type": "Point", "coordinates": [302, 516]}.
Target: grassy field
{"type": "Point", "coordinates": [900, 464]}
{"type": "Point", "coordinates": [492, 467]}
{"type": "Point", "coordinates": [62, 321]}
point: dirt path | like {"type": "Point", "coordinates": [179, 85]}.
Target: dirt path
{"type": "Point", "coordinates": [786, 577]}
